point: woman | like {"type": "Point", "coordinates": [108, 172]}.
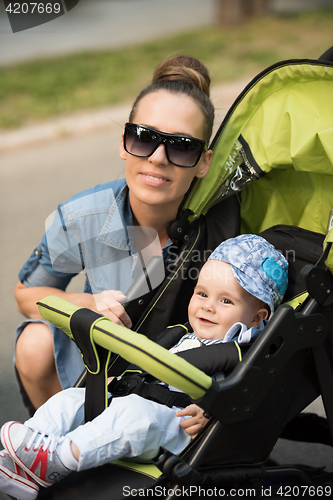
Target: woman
{"type": "Point", "coordinates": [164, 146]}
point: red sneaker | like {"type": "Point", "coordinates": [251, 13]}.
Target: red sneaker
{"type": "Point", "coordinates": [14, 480]}
{"type": "Point", "coordinates": [35, 452]}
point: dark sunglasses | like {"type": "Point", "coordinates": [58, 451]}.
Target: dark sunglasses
{"type": "Point", "coordinates": [181, 150]}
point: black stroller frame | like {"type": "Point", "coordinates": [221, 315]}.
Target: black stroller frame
{"type": "Point", "coordinates": [244, 392]}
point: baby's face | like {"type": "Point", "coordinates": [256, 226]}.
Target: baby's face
{"type": "Point", "coordinates": [219, 301]}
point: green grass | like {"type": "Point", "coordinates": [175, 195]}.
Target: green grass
{"type": "Point", "coordinates": [38, 90]}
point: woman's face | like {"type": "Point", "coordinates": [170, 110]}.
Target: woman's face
{"type": "Point", "coordinates": [154, 182]}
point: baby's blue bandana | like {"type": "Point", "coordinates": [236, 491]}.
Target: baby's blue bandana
{"type": "Point", "coordinates": [276, 272]}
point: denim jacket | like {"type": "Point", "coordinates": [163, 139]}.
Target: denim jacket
{"type": "Point", "coordinates": [92, 231]}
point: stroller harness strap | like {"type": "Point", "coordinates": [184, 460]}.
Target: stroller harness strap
{"type": "Point", "coordinates": [136, 384]}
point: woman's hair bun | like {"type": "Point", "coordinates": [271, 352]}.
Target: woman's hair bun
{"type": "Point", "coordinates": [185, 68]}
{"type": "Point", "coordinates": [183, 75]}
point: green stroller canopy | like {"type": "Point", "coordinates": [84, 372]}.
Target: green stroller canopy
{"type": "Point", "coordinates": [278, 131]}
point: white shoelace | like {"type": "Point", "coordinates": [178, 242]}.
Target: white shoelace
{"type": "Point", "coordinates": [49, 441]}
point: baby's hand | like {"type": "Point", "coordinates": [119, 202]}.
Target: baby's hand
{"type": "Point", "coordinates": [196, 420]}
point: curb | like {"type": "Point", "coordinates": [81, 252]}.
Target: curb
{"type": "Point", "coordinates": [78, 123]}
{"type": "Point", "coordinates": [85, 122]}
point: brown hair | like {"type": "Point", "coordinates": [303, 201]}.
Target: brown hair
{"type": "Point", "coordinates": [183, 75]}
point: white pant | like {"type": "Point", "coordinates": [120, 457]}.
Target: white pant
{"type": "Point", "coordinates": [130, 427]}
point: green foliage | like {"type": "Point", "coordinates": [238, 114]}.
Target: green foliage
{"type": "Point", "coordinates": [44, 88]}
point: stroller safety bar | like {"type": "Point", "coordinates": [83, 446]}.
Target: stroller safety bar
{"type": "Point", "coordinates": [134, 347]}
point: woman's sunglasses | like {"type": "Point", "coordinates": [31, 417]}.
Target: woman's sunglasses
{"type": "Point", "coordinates": [181, 150]}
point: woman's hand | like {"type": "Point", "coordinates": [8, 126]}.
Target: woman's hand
{"type": "Point", "coordinates": [108, 303]}
{"type": "Point", "coordinates": [196, 420]}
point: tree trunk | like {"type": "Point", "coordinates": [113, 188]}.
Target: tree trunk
{"type": "Point", "coordinates": [233, 12]}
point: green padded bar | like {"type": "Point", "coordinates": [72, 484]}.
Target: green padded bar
{"type": "Point", "coordinates": [52, 312]}
{"type": "Point", "coordinates": [134, 347]}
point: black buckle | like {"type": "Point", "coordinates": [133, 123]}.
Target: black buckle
{"type": "Point", "coordinates": [124, 386]}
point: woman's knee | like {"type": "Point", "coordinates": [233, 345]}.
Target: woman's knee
{"type": "Point", "coordinates": [34, 350]}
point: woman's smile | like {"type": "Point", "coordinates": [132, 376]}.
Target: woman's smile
{"type": "Point", "coordinates": [154, 180]}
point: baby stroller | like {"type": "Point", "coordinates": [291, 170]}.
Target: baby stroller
{"type": "Point", "coordinates": [273, 154]}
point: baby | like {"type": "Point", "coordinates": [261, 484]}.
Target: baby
{"type": "Point", "coordinates": [238, 288]}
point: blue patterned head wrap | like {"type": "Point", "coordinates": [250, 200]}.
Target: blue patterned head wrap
{"type": "Point", "coordinates": [257, 266]}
